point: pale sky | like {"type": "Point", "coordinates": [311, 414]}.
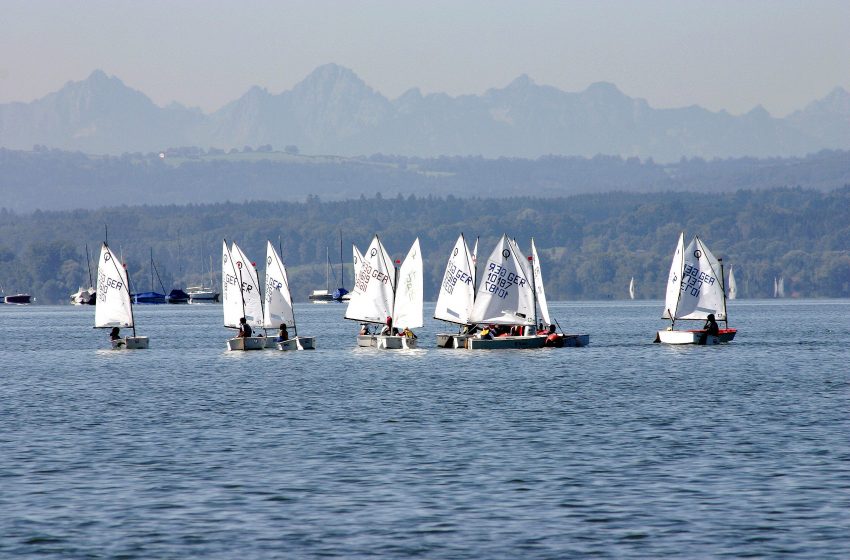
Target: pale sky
{"type": "Point", "coordinates": [720, 54]}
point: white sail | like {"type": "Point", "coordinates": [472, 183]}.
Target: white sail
{"type": "Point", "coordinates": [780, 287]}
{"type": "Point", "coordinates": [701, 291]}
{"type": "Point", "coordinates": [538, 284]}
{"type": "Point", "coordinates": [231, 293]}
{"type": "Point", "coordinates": [505, 294]}
{"type": "Point", "coordinates": [113, 308]}
{"type": "Point", "coordinates": [457, 291]}
{"type": "Point", "coordinates": [357, 260]}
{"type": "Point", "coordinates": [674, 280]}
{"type": "Point", "coordinates": [409, 291]}
{"type": "Point", "coordinates": [278, 308]}
{"type": "Point", "coordinates": [252, 301]}
{"type": "Point", "coordinates": [372, 294]}
{"type": "Point", "coordinates": [733, 286]}
{"type": "Point", "coordinates": [475, 265]}
{"type": "Point", "coordinates": [632, 288]}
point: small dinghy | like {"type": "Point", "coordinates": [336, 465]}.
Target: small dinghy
{"type": "Point", "coordinates": [114, 309]}
{"type": "Point", "coordinates": [695, 291]}
{"type": "Point", "coordinates": [241, 297]}
{"type": "Point", "coordinates": [278, 310]}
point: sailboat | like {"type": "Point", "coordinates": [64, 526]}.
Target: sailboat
{"type": "Point", "coordinates": [341, 294]}
{"type": "Point", "coordinates": [114, 305]}
{"type": "Point", "coordinates": [85, 296]}
{"type": "Point", "coordinates": [558, 340]}
{"type": "Point", "coordinates": [506, 296]}
{"type": "Point", "coordinates": [240, 297]}
{"type": "Point", "coordinates": [324, 296]}
{"type": "Point", "coordinates": [694, 291]}
{"type": "Point", "coordinates": [733, 286]}
{"type": "Point", "coordinates": [202, 294]}
{"type": "Point", "coordinates": [632, 288]}
{"type": "Point", "coordinates": [278, 309]}
{"type": "Point", "coordinates": [779, 287]}
{"type": "Point", "coordinates": [152, 296]}
{"type": "Point", "coordinates": [457, 295]}
{"type": "Point", "coordinates": [381, 292]}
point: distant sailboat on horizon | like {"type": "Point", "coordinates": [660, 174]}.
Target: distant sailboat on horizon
{"type": "Point", "coordinates": [632, 288]}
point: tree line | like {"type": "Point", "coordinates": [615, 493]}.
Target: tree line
{"type": "Point", "coordinates": [590, 245]}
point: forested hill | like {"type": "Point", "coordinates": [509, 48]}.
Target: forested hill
{"type": "Point", "coordinates": [55, 180]}
{"type": "Point", "coordinates": [590, 245]}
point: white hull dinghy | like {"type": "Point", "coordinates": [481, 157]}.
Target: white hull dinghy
{"type": "Point", "coordinates": [240, 295]}
{"type": "Point", "coordinates": [381, 292]}
{"type": "Point", "coordinates": [278, 310]}
{"type": "Point", "coordinates": [114, 307]}
{"type": "Point", "coordinates": [457, 294]}
{"type": "Point", "coordinates": [695, 290]}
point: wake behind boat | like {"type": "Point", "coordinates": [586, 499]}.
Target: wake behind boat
{"type": "Point", "coordinates": [695, 291]}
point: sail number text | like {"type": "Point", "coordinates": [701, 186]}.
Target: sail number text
{"type": "Point", "coordinates": [367, 272]}
{"type": "Point", "coordinates": [499, 280]}
{"type": "Point", "coordinates": [230, 280]}
{"type": "Point", "coordinates": [453, 276]}
{"type": "Point", "coordinates": [104, 283]}
{"type": "Point", "coordinates": [693, 279]}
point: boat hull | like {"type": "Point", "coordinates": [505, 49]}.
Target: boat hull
{"type": "Point", "coordinates": [386, 342]}
{"type": "Point", "coordinates": [247, 343]}
{"type": "Point", "coordinates": [366, 340]}
{"type": "Point", "coordinates": [18, 299]}
{"type": "Point", "coordinates": [574, 341]}
{"type": "Point", "coordinates": [506, 342]}
{"type": "Point", "coordinates": [297, 343]}
{"type": "Point", "coordinates": [148, 298]}
{"type": "Point", "coordinates": [131, 343]}
{"type": "Point", "coordinates": [455, 341]}
{"type": "Point", "coordinates": [694, 337]}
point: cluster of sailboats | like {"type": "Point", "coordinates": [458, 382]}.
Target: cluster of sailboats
{"type": "Point", "coordinates": [499, 304]}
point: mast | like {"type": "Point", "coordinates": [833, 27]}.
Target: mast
{"type": "Point", "coordinates": [280, 253]}
{"type": "Point", "coordinates": [723, 289]}
{"type": "Point", "coordinates": [327, 270]}
{"type": "Point", "coordinates": [130, 292]}
{"type": "Point", "coordinates": [88, 263]}
{"type": "Point", "coordinates": [533, 285]}
{"type": "Point", "coordinates": [341, 264]}
{"type": "Point", "coordinates": [127, 286]}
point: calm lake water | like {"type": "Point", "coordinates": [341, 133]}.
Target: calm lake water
{"type": "Point", "coordinates": [624, 449]}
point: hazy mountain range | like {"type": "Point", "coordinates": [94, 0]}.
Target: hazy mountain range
{"type": "Point", "coordinates": [332, 111]}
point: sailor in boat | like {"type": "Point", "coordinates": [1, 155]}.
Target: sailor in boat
{"type": "Point", "coordinates": [553, 339]}
{"type": "Point", "coordinates": [486, 332]}
{"type": "Point", "coordinates": [710, 327]}
{"type": "Point", "coordinates": [388, 329]}
{"type": "Point", "coordinates": [364, 329]}
{"type": "Point", "coordinates": [283, 334]}
{"type": "Point", "coordinates": [115, 336]}
{"type": "Point", "coordinates": [244, 329]}
{"type": "Point", "coordinates": [408, 333]}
